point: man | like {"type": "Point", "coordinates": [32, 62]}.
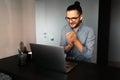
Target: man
{"type": "Point", "coordinates": [78, 40]}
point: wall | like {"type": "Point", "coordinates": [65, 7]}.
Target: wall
{"type": "Point", "coordinates": [10, 26]}
{"type": "Point", "coordinates": [28, 18]}
{"type": "Point", "coordinates": [16, 24]}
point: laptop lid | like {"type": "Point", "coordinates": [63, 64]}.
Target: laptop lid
{"type": "Point", "coordinates": [48, 57]}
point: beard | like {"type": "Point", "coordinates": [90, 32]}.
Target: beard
{"type": "Point", "coordinates": [75, 25]}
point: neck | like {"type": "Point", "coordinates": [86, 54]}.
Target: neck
{"type": "Point", "coordinates": [75, 29]}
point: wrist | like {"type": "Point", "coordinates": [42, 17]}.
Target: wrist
{"type": "Point", "coordinates": [70, 45]}
{"type": "Point", "coordinates": [76, 42]}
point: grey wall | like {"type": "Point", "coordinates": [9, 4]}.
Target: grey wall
{"type": "Point", "coordinates": [50, 18]}
{"type": "Point", "coordinates": [114, 40]}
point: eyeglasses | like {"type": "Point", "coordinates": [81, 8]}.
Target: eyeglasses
{"type": "Point", "coordinates": [73, 18]}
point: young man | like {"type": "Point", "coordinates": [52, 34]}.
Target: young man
{"type": "Point", "coordinates": [78, 40]}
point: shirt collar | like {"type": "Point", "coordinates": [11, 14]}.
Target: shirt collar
{"type": "Point", "coordinates": [81, 25]}
{"type": "Point", "coordinates": [78, 28]}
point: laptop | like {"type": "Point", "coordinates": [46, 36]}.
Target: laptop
{"type": "Point", "coordinates": [50, 57]}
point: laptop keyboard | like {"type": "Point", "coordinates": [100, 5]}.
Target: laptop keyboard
{"type": "Point", "coordinates": [70, 58]}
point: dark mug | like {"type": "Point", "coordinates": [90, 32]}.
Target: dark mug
{"type": "Point", "coordinates": [29, 56]}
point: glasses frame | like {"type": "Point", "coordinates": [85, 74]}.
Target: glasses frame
{"type": "Point", "coordinates": [72, 19]}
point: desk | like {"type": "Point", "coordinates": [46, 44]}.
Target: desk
{"type": "Point", "coordinates": [83, 71]}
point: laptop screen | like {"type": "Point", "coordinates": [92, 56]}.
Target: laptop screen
{"type": "Point", "coordinates": [48, 57]}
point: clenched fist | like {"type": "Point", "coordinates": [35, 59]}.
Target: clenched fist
{"type": "Point", "coordinates": [72, 37]}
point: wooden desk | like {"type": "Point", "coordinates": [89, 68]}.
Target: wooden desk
{"type": "Point", "coordinates": [83, 71]}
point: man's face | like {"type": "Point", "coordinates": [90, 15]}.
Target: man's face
{"type": "Point", "coordinates": [73, 18]}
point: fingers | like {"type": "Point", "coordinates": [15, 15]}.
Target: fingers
{"type": "Point", "coordinates": [70, 33]}
{"type": "Point", "coordinates": [71, 36]}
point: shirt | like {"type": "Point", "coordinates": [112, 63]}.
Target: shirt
{"type": "Point", "coordinates": [86, 36]}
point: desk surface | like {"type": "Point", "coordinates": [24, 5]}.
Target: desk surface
{"type": "Point", "coordinates": [83, 71]}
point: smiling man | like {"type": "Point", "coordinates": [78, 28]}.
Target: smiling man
{"type": "Point", "coordinates": [77, 39]}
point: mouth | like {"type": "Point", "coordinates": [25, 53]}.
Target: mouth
{"type": "Point", "coordinates": [72, 24]}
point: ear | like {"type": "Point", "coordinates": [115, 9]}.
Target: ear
{"type": "Point", "coordinates": [81, 16]}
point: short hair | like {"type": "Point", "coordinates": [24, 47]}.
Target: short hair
{"type": "Point", "coordinates": [75, 6]}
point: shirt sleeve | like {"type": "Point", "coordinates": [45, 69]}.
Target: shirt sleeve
{"type": "Point", "coordinates": [88, 48]}
{"type": "Point", "coordinates": [62, 38]}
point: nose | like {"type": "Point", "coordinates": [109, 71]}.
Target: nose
{"type": "Point", "coordinates": [70, 20]}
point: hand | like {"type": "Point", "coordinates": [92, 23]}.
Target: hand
{"type": "Point", "coordinates": [72, 37]}
{"type": "Point", "coordinates": [68, 47]}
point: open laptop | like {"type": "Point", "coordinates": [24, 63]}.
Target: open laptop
{"type": "Point", "coordinates": [50, 57]}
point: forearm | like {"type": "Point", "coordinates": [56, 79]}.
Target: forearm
{"type": "Point", "coordinates": [79, 45]}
